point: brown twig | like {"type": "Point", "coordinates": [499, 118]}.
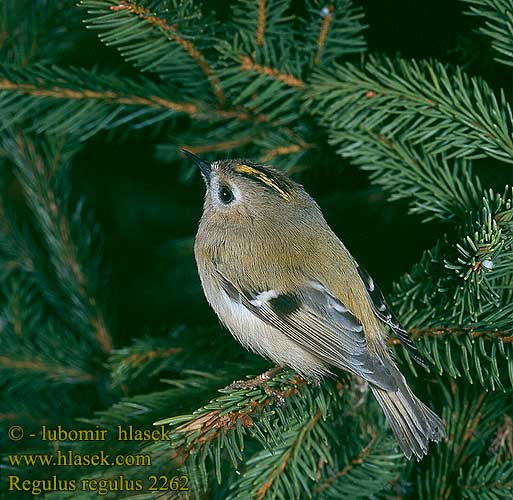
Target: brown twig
{"type": "Point", "coordinates": [475, 415]}
{"type": "Point", "coordinates": [61, 227]}
{"type": "Point", "coordinates": [458, 442]}
{"type": "Point", "coordinates": [139, 358]}
{"type": "Point", "coordinates": [279, 151]}
{"type": "Point", "coordinates": [152, 101]}
{"type": "Point", "coordinates": [285, 150]}
{"type": "Point", "coordinates": [171, 31]}
{"type": "Point", "coordinates": [21, 257]}
{"type": "Point", "coordinates": [503, 442]}
{"type": "Point", "coordinates": [207, 426]}
{"type": "Point", "coordinates": [217, 146]}
{"type": "Point", "coordinates": [505, 486]}
{"type": "Point", "coordinates": [261, 23]}
{"type": "Point", "coordinates": [50, 200]}
{"type": "Point", "coordinates": [323, 33]}
{"type": "Point", "coordinates": [442, 331]}
{"type": "Point", "coordinates": [66, 93]}
{"type": "Point", "coordinates": [249, 65]}
{"type": "Point", "coordinates": [278, 470]}
{"type": "Point", "coordinates": [102, 334]}
{"type": "Point", "coordinates": [358, 460]}
{"type": "Point", "coordinates": [53, 371]}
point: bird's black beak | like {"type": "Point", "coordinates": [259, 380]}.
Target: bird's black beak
{"type": "Point", "coordinates": [203, 165]}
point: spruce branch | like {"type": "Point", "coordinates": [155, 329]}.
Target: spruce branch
{"type": "Point", "coordinates": [269, 74]}
{"type": "Point", "coordinates": [279, 151]}
{"type": "Point", "coordinates": [234, 411]}
{"type": "Point", "coordinates": [36, 350]}
{"type": "Point", "coordinates": [487, 481]}
{"type": "Point", "coordinates": [260, 23]}
{"type": "Point", "coordinates": [224, 425]}
{"type": "Point", "coordinates": [472, 418]}
{"type": "Point", "coordinates": [260, 31]}
{"type": "Point", "coordinates": [332, 30]}
{"type": "Point", "coordinates": [182, 393]}
{"type": "Point", "coordinates": [436, 187]}
{"type": "Point", "coordinates": [268, 82]}
{"type": "Point", "coordinates": [327, 15]}
{"type": "Point", "coordinates": [475, 272]}
{"type": "Point", "coordinates": [41, 169]}
{"type": "Point", "coordinates": [484, 260]}
{"type": "Point", "coordinates": [265, 78]}
{"type": "Point", "coordinates": [484, 357]}
{"type": "Point", "coordinates": [273, 64]}
{"type": "Point", "coordinates": [413, 100]}
{"type": "Point", "coordinates": [57, 101]}
{"type": "Point", "coordinates": [362, 455]}
{"type": "Point", "coordinates": [50, 369]}
{"type": "Point", "coordinates": [273, 475]}
{"type": "Point", "coordinates": [145, 357]}
{"type": "Point", "coordinates": [284, 148]}
{"type": "Point", "coordinates": [249, 65]}
{"type": "Point", "coordinates": [216, 146]}
{"type": "Point", "coordinates": [305, 454]}
{"type": "Point", "coordinates": [16, 245]}
{"type": "Point", "coordinates": [38, 31]}
{"type": "Point", "coordinates": [498, 25]}
{"type": "Point", "coordinates": [502, 445]}
{"type": "Point", "coordinates": [144, 32]}
{"type": "Point", "coordinates": [457, 299]}
{"type": "Point", "coordinates": [374, 463]}
{"type": "Point", "coordinates": [112, 97]}
{"type": "Point", "coordinates": [133, 27]}
{"type": "Point", "coordinates": [467, 281]}
{"type": "Point", "coordinates": [419, 333]}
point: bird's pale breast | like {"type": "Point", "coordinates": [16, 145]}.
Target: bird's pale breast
{"type": "Point", "coordinates": [255, 334]}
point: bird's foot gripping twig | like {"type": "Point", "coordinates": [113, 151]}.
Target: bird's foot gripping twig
{"type": "Point", "coordinates": [262, 382]}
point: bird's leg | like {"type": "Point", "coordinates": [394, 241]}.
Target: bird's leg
{"type": "Point", "coordinates": [258, 381]}
{"type": "Point", "coordinates": [261, 381]}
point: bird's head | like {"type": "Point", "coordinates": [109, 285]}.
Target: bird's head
{"type": "Point", "coordinates": [243, 190]}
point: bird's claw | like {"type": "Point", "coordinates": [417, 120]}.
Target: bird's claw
{"type": "Point", "coordinates": [262, 382]}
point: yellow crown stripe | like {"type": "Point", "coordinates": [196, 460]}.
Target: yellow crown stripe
{"type": "Point", "coordinates": [262, 177]}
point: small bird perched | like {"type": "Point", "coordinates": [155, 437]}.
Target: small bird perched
{"type": "Point", "coordinates": [287, 288]}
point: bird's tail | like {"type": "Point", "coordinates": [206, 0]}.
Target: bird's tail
{"type": "Point", "coordinates": [413, 423]}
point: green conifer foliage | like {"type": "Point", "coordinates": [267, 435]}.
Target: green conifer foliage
{"type": "Point", "coordinates": [287, 83]}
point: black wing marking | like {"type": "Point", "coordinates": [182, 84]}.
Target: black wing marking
{"type": "Point", "coordinates": [315, 319]}
{"type": "Point", "coordinates": [385, 314]}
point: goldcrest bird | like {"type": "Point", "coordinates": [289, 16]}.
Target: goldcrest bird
{"type": "Point", "coordinates": [287, 288]}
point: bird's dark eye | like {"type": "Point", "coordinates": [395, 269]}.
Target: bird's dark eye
{"type": "Point", "coordinates": [226, 195]}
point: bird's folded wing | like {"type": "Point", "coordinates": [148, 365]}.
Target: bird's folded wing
{"type": "Point", "coordinates": [383, 311]}
{"type": "Point", "coordinates": [314, 318]}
